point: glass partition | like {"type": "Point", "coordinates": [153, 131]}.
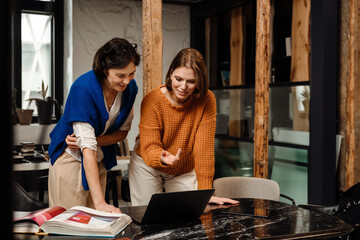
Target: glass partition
{"type": "Point", "coordinates": [235, 112]}
{"type": "Point", "coordinates": [289, 139]}
{"type": "Point", "coordinates": [289, 114]}
{"type": "Point", "coordinates": [289, 168]}
{"type": "Point", "coordinates": [233, 158]}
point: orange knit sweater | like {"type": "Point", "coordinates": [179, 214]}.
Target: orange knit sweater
{"type": "Point", "coordinates": [190, 127]}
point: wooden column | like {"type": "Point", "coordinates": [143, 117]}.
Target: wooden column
{"type": "Point", "coordinates": [262, 77]}
{"type": "Point", "coordinates": [152, 44]}
{"type": "Point", "coordinates": [349, 89]}
{"type": "Point", "coordinates": [352, 97]}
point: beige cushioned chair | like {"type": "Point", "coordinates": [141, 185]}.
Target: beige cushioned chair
{"type": "Point", "coordinates": [248, 187]}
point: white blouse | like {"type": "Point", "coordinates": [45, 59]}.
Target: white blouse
{"type": "Point", "coordinates": [85, 133]}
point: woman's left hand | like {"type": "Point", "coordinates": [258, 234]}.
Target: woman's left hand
{"type": "Point", "coordinates": [220, 200]}
{"type": "Point", "coordinates": [71, 141]}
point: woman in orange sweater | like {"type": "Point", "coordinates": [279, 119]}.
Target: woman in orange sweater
{"type": "Point", "coordinates": [175, 147]}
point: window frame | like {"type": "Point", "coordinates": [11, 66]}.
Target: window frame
{"type": "Point", "coordinates": [56, 9]}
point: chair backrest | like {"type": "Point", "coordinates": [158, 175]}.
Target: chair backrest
{"type": "Point", "coordinates": [246, 187]}
{"type": "Point", "coordinates": [23, 201]}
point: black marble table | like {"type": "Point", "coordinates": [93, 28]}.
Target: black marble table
{"type": "Point", "coordinates": [251, 219]}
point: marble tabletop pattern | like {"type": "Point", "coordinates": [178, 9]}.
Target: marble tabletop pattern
{"type": "Point", "coordinates": [251, 219]}
{"type": "Point", "coordinates": [273, 220]}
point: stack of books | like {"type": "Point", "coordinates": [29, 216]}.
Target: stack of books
{"type": "Point", "coordinates": [27, 149]}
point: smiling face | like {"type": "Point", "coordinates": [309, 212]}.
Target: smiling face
{"type": "Point", "coordinates": [187, 65]}
{"type": "Point", "coordinates": [118, 79]}
{"type": "Point", "coordinates": [183, 84]}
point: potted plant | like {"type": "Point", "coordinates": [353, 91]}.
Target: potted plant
{"type": "Point", "coordinates": [44, 106]}
{"type": "Point", "coordinates": [21, 116]}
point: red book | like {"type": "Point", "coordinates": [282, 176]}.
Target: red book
{"type": "Point", "coordinates": [30, 222]}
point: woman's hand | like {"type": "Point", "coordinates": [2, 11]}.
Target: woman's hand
{"type": "Point", "coordinates": [71, 141]}
{"type": "Point", "coordinates": [220, 200]}
{"type": "Point", "coordinates": [169, 159]}
{"type": "Point", "coordinates": [104, 207]}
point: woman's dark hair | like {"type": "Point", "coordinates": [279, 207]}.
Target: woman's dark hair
{"type": "Point", "coordinates": [190, 57]}
{"type": "Point", "coordinates": [116, 53]}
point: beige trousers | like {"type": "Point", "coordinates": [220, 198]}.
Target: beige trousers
{"type": "Point", "coordinates": [65, 184]}
{"type": "Point", "coordinates": [145, 181]}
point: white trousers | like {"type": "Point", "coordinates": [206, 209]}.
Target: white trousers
{"type": "Point", "coordinates": [145, 181]}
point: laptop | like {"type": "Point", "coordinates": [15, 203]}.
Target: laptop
{"type": "Point", "coordinates": [170, 206]}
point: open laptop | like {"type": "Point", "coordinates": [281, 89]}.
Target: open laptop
{"type": "Point", "coordinates": [170, 206]}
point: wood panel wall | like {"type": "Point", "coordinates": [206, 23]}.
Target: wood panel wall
{"type": "Point", "coordinates": [236, 70]}
{"type": "Point", "coordinates": [300, 41]}
{"type": "Point", "coordinates": [300, 61]}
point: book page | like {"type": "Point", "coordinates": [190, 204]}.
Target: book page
{"type": "Point", "coordinates": [82, 217]}
{"type": "Point", "coordinates": [39, 216]}
{"type": "Point", "coordinates": [90, 220]}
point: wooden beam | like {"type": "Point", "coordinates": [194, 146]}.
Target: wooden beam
{"type": "Point", "coordinates": [349, 87]}
{"type": "Point", "coordinates": [152, 44]}
{"type": "Point", "coordinates": [342, 88]}
{"type": "Point", "coordinates": [262, 78]}
{"type": "Point", "coordinates": [351, 141]}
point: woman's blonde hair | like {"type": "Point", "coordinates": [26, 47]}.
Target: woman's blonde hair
{"type": "Point", "coordinates": [190, 57]}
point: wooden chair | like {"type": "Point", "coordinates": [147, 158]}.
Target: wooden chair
{"type": "Point", "coordinates": [248, 187]}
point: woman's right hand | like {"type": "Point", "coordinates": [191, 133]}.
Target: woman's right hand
{"type": "Point", "coordinates": [71, 141]}
{"type": "Point", "coordinates": [169, 159]}
{"type": "Point", "coordinates": [104, 207]}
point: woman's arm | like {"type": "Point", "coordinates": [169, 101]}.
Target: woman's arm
{"type": "Point", "coordinates": [112, 138]}
{"type": "Point", "coordinates": [92, 176]}
{"type": "Point", "coordinates": [150, 132]}
{"type": "Point", "coordinates": [204, 145]}
{"type": "Point", "coordinates": [117, 136]}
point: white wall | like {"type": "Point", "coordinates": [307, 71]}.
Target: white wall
{"type": "Point", "coordinates": [94, 22]}
{"type": "Point", "coordinates": [68, 46]}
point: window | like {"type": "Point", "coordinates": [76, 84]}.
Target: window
{"type": "Point", "coordinates": [36, 56]}
{"type": "Point", "coordinates": [37, 51]}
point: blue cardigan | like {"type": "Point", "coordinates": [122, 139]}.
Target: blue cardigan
{"type": "Point", "coordinates": [85, 103]}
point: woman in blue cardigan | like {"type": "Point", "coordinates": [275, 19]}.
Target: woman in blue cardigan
{"type": "Point", "coordinates": [98, 114]}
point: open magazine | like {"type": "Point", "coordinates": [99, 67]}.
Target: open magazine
{"type": "Point", "coordinates": [77, 221]}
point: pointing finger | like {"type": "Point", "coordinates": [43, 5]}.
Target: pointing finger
{"type": "Point", "coordinates": [178, 154]}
